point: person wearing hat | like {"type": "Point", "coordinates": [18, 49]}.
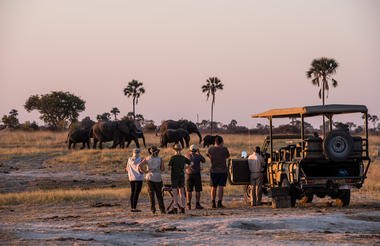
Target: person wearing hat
{"type": "Point", "coordinates": [135, 178]}
{"type": "Point", "coordinates": [193, 177]}
{"type": "Point", "coordinates": [177, 164]}
{"type": "Point", "coordinates": [152, 166]}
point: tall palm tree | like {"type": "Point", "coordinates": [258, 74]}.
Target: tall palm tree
{"type": "Point", "coordinates": [212, 85]}
{"type": "Point", "coordinates": [115, 111]}
{"type": "Point", "coordinates": [320, 73]}
{"type": "Point", "coordinates": [134, 89]}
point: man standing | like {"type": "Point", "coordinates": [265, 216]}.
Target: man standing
{"type": "Point", "coordinates": [177, 165]}
{"type": "Point", "coordinates": [218, 155]}
{"type": "Point", "coordinates": [256, 167]}
{"type": "Point", "coordinates": [193, 177]}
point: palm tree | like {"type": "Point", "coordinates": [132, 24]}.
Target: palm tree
{"type": "Point", "coordinates": [115, 111]}
{"type": "Point", "coordinates": [134, 89]}
{"type": "Point", "coordinates": [321, 72]}
{"type": "Point", "coordinates": [212, 85]}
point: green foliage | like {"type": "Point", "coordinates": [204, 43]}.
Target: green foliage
{"type": "Point", "coordinates": [11, 120]}
{"type": "Point", "coordinates": [56, 108]}
{"type": "Point", "coordinates": [28, 126]}
{"type": "Point", "coordinates": [212, 85]}
{"type": "Point", "coordinates": [104, 117]}
{"type": "Point", "coordinates": [134, 89]}
{"type": "Point", "coordinates": [115, 111]}
{"type": "Point", "coordinates": [321, 72]}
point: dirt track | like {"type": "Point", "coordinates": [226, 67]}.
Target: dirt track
{"type": "Point", "coordinates": [111, 223]}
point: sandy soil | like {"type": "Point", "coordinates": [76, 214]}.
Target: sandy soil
{"type": "Point", "coordinates": [111, 223]}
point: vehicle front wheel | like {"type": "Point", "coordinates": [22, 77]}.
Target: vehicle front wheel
{"type": "Point", "coordinates": [343, 198]}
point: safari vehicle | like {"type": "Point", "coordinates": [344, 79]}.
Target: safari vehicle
{"type": "Point", "coordinates": [301, 166]}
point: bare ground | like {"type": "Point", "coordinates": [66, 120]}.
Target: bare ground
{"type": "Point", "coordinates": [111, 223]}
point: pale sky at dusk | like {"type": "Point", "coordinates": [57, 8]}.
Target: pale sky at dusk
{"type": "Point", "coordinates": [257, 48]}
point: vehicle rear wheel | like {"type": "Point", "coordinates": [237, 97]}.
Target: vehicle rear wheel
{"type": "Point", "coordinates": [343, 198]}
{"type": "Point", "coordinates": [307, 198]}
{"type": "Point", "coordinates": [247, 194]}
{"type": "Point", "coordinates": [337, 146]}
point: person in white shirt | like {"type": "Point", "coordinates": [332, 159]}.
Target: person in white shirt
{"type": "Point", "coordinates": [135, 178]}
{"type": "Point", "coordinates": [256, 165]}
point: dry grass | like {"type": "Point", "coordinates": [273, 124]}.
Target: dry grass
{"type": "Point", "coordinates": [52, 148]}
{"type": "Point", "coordinates": [57, 196]}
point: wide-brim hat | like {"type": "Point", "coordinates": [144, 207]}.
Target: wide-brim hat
{"type": "Point", "coordinates": [177, 147]}
{"type": "Point", "coordinates": [153, 149]}
{"type": "Point", "coordinates": [193, 148]}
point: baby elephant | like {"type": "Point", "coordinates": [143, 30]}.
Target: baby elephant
{"type": "Point", "coordinates": [79, 135]}
{"type": "Point", "coordinates": [208, 140]}
{"type": "Point", "coordinates": [175, 136]}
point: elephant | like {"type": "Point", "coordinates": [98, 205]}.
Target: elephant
{"type": "Point", "coordinates": [175, 136]}
{"type": "Point", "coordinates": [140, 134]}
{"type": "Point", "coordinates": [208, 140]}
{"type": "Point", "coordinates": [116, 131]}
{"type": "Point", "coordinates": [79, 135]}
{"type": "Point", "coordinates": [129, 139]}
{"type": "Point", "coordinates": [189, 126]}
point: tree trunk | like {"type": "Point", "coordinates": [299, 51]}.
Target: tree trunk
{"type": "Point", "coordinates": [212, 112]}
{"type": "Point", "coordinates": [323, 103]}
{"type": "Point", "coordinates": [134, 115]}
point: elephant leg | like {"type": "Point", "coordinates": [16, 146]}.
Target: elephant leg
{"type": "Point", "coordinates": [182, 144]}
{"type": "Point", "coordinates": [70, 144]}
{"type": "Point", "coordinates": [74, 144]}
{"type": "Point", "coordinates": [88, 144]}
{"type": "Point", "coordinates": [83, 145]}
{"type": "Point", "coordinates": [129, 142]}
{"type": "Point", "coordinates": [137, 142]}
{"type": "Point", "coordinates": [100, 144]}
{"type": "Point", "coordinates": [95, 143]}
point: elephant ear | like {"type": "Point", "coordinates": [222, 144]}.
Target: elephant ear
{"type": "Point", "coordinates": [123, 127]}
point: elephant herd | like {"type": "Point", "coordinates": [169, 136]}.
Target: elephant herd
{"type": "Point", "coordinates": [123, 131]}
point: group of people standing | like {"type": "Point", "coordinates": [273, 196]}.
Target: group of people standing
{"type": "Point", "coordinates": [151, 168]}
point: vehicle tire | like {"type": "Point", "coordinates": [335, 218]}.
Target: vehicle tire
{"type": "Point", "coordinates": [343, 198]}
{"type": "Point", "coordinates": [247, 194]}
{"type": "Point", "coordinates": [308, 198]}
{"type": "Point", "coordinates": [338, 145]}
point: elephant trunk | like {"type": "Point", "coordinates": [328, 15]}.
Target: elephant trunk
{"type": "Point", "coordinates": [200, 137]}
{"type": "Point", "coordinates": [143, 138]}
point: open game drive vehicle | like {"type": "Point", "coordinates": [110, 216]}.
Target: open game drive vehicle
{"type": "Point", "coordinates": [301, 166]}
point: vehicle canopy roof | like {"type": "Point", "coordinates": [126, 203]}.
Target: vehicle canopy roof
{"type": "Point", "coordinates": [306, 111]}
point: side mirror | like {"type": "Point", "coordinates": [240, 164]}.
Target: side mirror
{"type": "Point", "coordinates": [244, 154]}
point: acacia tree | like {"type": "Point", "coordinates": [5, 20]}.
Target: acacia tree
{"type": "Point", "coordinates": [134, 89]}
{"type": "Point", "coordinates": [11, 120]}
{"type": "Point", "coordinates": [115, 111]}
{"type": "Point", "coordinates": [320, 73]}
{"type": "Point", "coordinates": [56, 107]}
{"type": "Point", "coordinates": [212, 85]}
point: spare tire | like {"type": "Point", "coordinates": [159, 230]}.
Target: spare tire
{"type": "Point", "coordinates": [338, 145]}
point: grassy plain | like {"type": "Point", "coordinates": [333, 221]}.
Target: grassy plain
{"type": "Point", "coordinates": [49, 150]}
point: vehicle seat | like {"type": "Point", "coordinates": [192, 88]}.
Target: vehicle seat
{"type": "Point", "coordinates": [357, 149]}
{"type": "Point", "coordinates": [313, 148]}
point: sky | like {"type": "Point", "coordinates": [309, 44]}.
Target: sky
{"type": "Point", "coordinates": [260, 50]}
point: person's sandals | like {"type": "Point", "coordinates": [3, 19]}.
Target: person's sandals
{"type": "Point", "coordinates": [182, 210]}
